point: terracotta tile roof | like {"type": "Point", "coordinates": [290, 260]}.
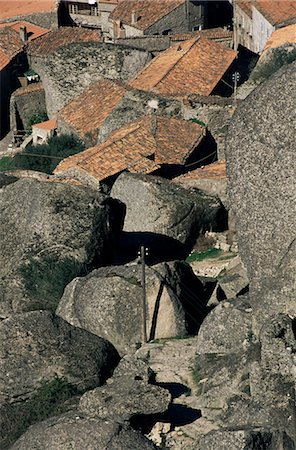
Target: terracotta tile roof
{"type": "Point", "coordinates": [214, 171]}
{"type": "Point", "coordinates": [47, 125]}
{"type": "Point", "coordinates": [33, 31]}
{"type": "Point", "coordinates": [10, 45]}
{"type": "Point", "coordinates": [276, 11]}
{"type": "Point", "coordinates": [139, 147]}
{"type": "Point", "coordinates": [148, 12]}
{"type": "Point", "coordinates": [87, 112]}
{"type": "Point", "coordinates": [285, 35]}
{"type": "Point", "coordinates": [245, 5]}
{"type": "Point", "coordinates": [211, 33]}
{"type": "Point", "coordinates": [59, 38]}
{"type": "Point", "coordinates": [193, 66]}
{"type": "Point", "coordinates": [16, 8]}
{"type": "Point", "coordinates": [34, 87]}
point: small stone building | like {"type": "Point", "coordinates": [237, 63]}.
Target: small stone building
{"type": "Point", "coordinates": [154, 17]}
{"type": "Point", "coordinates": [43, 131]}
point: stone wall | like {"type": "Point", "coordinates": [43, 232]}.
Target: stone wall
{"type": "Point", "coordinates": [149, 43]}
{"type": "Point", "coordinates": [68, 71]}
{"type": "Point", "coordinates": [177, 21]}
{"type": "Point", "coordinates": [215, 112]}
{"type": "Point", "coordinates": [24, 103]}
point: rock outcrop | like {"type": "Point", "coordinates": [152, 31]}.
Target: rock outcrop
{"type": "Point", "coordinates": [126, 395]}
{"type": "Point", "coordinates": [261, 170]}
{"type": "Point", "coordinates": [39, 347]}
{"type": "Point", "coordinates": [50, 233]}
{"type": "Point", "coordinates": [109, 303]}
{"type": "Point", "coordinates": [76, 431]}
{"type": "Point", "coordinates": [246, 356]}
{"type": "Point", "coordinates": [164, 216]}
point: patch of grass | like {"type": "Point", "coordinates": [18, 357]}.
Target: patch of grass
{"type": "Point", "coordinates": [199, 122]}
{"type": "Point", "coordinates": [49, 400]}
{"type": "Point", "coordinates": [45, 279]}
{"type": "Point", "coordinates": [200, 256]}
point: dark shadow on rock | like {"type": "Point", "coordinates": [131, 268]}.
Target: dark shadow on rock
{"type": "Point", "coordinates": [175, 389]}
{"type": "Point", "coordinates": [160, 248]}
{"type": "Point", "coordinates": [177, 415]}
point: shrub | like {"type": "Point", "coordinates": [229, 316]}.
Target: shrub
{"type": "Point", "coordinates": [278, 58]}
{"type": "Point", "coordinates": [38, 117]}
{"type": "Point", "coordinates": [45, 158]}
{"type": "Point", "coordinates": [49, 400]}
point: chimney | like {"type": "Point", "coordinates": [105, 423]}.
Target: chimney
{"type": "Point", "coordinates": [24, 34]}
{"type": "Point", "coordinates": [134, 18]}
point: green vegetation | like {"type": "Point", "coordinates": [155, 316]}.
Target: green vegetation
{"type": "Point", "coordinates": [38, 117]}
{"type": "Point", "coordinates": [200, 256]}
{"type": "Point", "coordinates": [277, 59]}
{"type": "Point", "coordinates": [43, 158]}
{"type": "Point", "coordinates": [49, 400]}
{"type": "Point", "coordinates": [45, 279]}
{"type": "Point", "coordinates": [199, 122]}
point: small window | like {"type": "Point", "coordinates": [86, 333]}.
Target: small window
{"type": "Point", "coordinates": [73, 9]}
{"type": "Point", "coordinates": [94, 11]}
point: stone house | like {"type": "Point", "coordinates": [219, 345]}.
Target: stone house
{"type": "Point", "coordinates": [25, 103]}
{"type": "Point", "coordinates": [91, 13]}
{"type": "Point", "coordinates": [255, 21]}
{"type": "Point", "coordinates": [267, 17]}
{"type": "Point", "coordinates": [14, 37]}
{"type": "Point", "coordinates": [154, 17]}
{"type": "Point", "coordinates": [44, 13]}
{"type": "Point", "coordinates": [196, 66]}
{"type": "Point", "coordinates": [152, 144]}
{"type": "Point", "coordinates": [107, 105]}
{"type": "Point", "coordinates": [43, 131]}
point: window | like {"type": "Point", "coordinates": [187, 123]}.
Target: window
{"type": "Point", "coordinates": [73, 9]}
{"type": "Point", "coordinates": [94, 11]}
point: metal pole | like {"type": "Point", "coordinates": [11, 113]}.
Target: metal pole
{"type": "Point", "coordinates": [144, 293]}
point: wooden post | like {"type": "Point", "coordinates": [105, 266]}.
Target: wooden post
{"type": "Point", "coordinates": [144, 293]}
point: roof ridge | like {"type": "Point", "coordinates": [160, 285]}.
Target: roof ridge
{"type": "Point", "coordinates": [180, 59]}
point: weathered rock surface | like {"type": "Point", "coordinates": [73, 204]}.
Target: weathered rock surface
{"type": "Point", "coordinates": [70, 69]}
{"type": "Point", "coordinates": [227, 328]}
{"type": "Point", "coordinates": [259, 439]}
{"type": "Point", "coordinates": [75, 431]}
{"type": "Point", "coordinates": [247, 365]}
{"type": "Point", "coordinates": [261, 169]}
{"type": "Point", "coordinates": [37, 350]}
{"type": "Point", "coordinates": [124, 399]}
{"type": "Point", "coordinates": [50, 233]}
{"type": "Point", "coordinates": [37, 346]}
{"type": "Point", "coordinates": [108, 302]}
{"type": "Point", "coordinates": [164, 216]}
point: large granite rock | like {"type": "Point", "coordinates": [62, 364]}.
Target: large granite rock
{"type": "Point", "coordinates": [255, 404]}
{"type": "Point", "coordinates": [41, 358]}
{"type": "Point", "coordinates": [109, 303]}
{"type": "Point", "coordinates": [164, 216]}
{"type": "Point", "coordinates": [50, 233]}
{"type": "Point", "coordinates": [261, 170]}
{"type": "Point", "coordinates": [75, 431]}
{"type": "Point", "coordinates": [37, 346]}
